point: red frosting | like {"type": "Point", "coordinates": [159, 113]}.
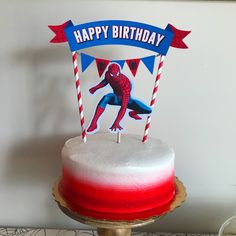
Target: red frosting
{"type": "Point", "coordinates": [116, 202]}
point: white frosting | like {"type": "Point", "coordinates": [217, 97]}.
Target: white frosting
{"type": "Point", "coordinates": [103, 161]}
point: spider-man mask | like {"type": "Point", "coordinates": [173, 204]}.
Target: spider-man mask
{"type": "Point", "coordinates": [114, 70]}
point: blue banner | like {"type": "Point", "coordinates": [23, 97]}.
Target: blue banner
{"type": "Point", "coordinates": [149, 63]}
{"type": "Point", "coordinates": [118, 32]}
{"type": "Point", "coordinates": [87, 60]}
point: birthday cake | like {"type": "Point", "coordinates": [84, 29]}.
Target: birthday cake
{"type": "Point", "coordinates": [127, 181]}
{"type": "Point", "coordinates": [102, 179]}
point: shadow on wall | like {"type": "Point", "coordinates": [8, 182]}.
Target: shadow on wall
{"type": "Point", "coordinates": [34, 165]}
{"type": "Point", "coordinates": [49, 88]}
{"type": "Point", "coordinates": [36, 161]}
{"type": "Point", "coordinates": [49, 84]}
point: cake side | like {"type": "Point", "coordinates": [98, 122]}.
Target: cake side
{"type": "Point", "coordinates": [116, 178]}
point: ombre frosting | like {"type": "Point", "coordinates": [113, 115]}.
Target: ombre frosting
{"type": "Point", "coordinates": [126, 181]}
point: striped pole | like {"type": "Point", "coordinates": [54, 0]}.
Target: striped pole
{"type": "Point", "coordinates": [79, 96]}
{"type": "Point", "coordinates": [154, 94]}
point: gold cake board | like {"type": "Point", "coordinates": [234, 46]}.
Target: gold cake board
{"type": "Point", "coordinates": [117, 228]}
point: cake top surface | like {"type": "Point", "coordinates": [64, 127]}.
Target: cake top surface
{"type": "Point", "coordinates": [102, 150]}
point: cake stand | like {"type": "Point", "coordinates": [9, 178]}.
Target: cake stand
{"type": "Point", "coordinates": [117, 228]}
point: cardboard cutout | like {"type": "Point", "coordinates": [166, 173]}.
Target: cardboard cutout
{"type": "Point", "coordinates": [118, 32]}
{"type": "Point", "coordinates": [121, 96]}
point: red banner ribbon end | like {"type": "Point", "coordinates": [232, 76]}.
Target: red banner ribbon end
{"type": "Point", "coordinates": [179, 35]}
{"type": "Point", "coordinates": [60, 36]}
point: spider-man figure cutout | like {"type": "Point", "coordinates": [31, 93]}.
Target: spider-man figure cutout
{"type": "Point", "coordinates": [121, 96]}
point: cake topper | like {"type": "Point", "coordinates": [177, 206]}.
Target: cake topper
{"type": "Point", "coordinates": [121, 96]}
{"type": "Point", "coordinates": [118, 32]}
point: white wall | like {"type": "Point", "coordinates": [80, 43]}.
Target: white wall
{"type": "Point", "coordinates": [195, 111]}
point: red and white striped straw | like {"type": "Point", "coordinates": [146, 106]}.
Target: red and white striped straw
{"type": "Point", "coordinates": [154, 94]}
{"type": "Point", "coordinates": [79, 96]}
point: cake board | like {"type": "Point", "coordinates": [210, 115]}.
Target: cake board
{"type": "Point", "coordinates": [117, 228]}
